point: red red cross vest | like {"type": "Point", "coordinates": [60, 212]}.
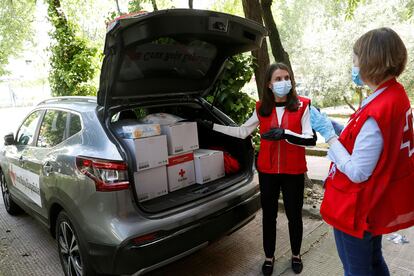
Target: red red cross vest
{"type": "Point", "coordinates": [279, 156]}
{"type": "Point", "coordinates": [385, 202]}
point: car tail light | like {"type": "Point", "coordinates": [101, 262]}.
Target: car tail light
{"type": "Point", "coordinates": [108, 175]}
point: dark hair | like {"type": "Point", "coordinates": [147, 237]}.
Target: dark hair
{"type": "Point", "coordinates": [381, 53]}
{"type": "Point", "coordinates": [268, 98]}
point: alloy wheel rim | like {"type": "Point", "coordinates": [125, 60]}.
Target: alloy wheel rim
{"type": "Point", "coordinates": [4, 191]}
{"type": "Point", "coordinates": [69, 250]}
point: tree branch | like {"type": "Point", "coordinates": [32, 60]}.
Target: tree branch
{"type": "Point", "coordinates": [349, 103]}
{"type": "Point", "coordinates": [117, 7]}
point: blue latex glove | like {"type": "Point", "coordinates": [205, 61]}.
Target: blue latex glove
{"type": "Point", "coordinates": [321, 123]}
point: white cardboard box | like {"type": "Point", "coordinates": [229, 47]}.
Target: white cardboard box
{"type": "Point", "coordinates": [180, 171]}
{"type": "Point", "coordinates": [151, 183]}
{"type": "Point", "coordinates": [150, 152]}
{"type": "Point", "coordinates": [209, 165]}
{"type": "Point", "coordinates": [141, 130]}
{"type": "Point", "coordinates": [181, 137]}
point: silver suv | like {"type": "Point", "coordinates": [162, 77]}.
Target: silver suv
{"type": "Point", "coordinates": [68, 167]}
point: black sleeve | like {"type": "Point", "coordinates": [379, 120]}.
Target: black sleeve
{"type": "Point", "coordinates": [302, 141]}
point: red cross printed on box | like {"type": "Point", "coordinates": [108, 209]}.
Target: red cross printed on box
{"type": "Point", "coordinates": [181, 173]}
{"type": "Point", "coordinates": [408, 135]}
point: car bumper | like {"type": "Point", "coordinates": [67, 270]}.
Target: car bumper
{"type": "Point", "coordinates": [139, 259]}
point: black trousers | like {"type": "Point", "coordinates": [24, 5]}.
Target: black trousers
{"type": "Point", "coordinates": [292, 187]}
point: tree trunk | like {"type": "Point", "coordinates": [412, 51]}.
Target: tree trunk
{"type": "Point", "coordinates": [190, 4]}
{"type": "Point", "coordinates": [252, 11]}
{"type": "Point", "coordinates": [275, 43]}
{"type": "Point", "coordinates": [154, 5]}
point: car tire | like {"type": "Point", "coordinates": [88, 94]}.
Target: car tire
{"type": "Point", "coordinates": [11, 207]}
{"type": "Point", "coordinates": [71, 252]}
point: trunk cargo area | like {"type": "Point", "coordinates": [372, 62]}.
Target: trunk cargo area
{"type": "Point", "coordinates": [192, 110]}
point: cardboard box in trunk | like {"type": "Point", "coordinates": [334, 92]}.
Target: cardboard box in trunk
{"type": "Point", "coordinates": [181, 137]}
{"type": "Point", "coordinates": [141, 130]}
{"type": "Point", "coordinates": [209, 165]}
{"type": "Point", "coordinates": [151, 183]}
{"type": "Point", "coordinates": [150, 152]}
{"type": "Point", "coordinates": [180, 171]}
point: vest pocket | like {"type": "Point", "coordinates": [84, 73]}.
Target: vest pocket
{"type": "Point", "coordinates": [339, 206]}
{"type": "Point", "coordinates": [264, 159]}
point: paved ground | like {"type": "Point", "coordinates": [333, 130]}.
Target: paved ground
{"type": "Point", "coordinates": [27, 249]}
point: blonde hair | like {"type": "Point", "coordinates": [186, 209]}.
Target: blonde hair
{"type": "Point", "coordinates": [381, 53]}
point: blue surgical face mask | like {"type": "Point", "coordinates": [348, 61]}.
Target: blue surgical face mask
{"type": "Point", "coordinates": [281, 88]}
{"type": "Point", "coordinates": [356, 77]}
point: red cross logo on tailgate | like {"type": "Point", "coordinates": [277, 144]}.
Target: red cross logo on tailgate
{"type": "Point", "coordinates": [181, 173]}
{"type": "Point", "coordinates": [408, 135]}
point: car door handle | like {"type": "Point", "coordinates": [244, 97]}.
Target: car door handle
{"type": "Point", "coordinates": [47, 168]}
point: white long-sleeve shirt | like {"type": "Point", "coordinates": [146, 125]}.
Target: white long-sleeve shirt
{"type": "Point", "coordinates": [369, 143]}
{"type": "Point", "coordinates": [251, 124]}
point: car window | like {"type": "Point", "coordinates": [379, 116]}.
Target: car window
{"type": "Point", "coordinates": [26, 133]}
{"type": "Point", "coordinates": [52, 129]}
{"type": "Point", "coordinates": [75, 124]}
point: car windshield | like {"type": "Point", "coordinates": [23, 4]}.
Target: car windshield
{"type": "Point", "coordinates": [168, 58]}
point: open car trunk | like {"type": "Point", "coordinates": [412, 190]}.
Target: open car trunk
{"type": "Point", "coordinates": [191, 110]}
{"type": "Point", "coordinates": [171, 58]}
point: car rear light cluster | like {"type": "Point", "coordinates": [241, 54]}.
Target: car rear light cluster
{"type": "Point", "coordinates": [108, 175]}
{"type": "Point", "coordinates": [148, 238]}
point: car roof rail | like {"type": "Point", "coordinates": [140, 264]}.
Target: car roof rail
{"type": "Point", "coordinates": [90, 99]}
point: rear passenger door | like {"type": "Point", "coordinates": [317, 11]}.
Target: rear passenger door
{"type": "Point", "coordinates": [39, 161]}
{"type": "Point", "coordinates": [53, 159]}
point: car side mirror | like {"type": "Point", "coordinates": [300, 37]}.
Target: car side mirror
{"type": "Point", "coordinates": [9, 139]}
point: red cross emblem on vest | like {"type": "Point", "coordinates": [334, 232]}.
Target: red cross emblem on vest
{"type": "Point", "coordinates": [408, 135]}
{"type": "Point", "coordinates": [181, 173]}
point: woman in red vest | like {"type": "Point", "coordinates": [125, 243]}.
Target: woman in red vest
{"type": "Point", "coordinates": [369, 190]}
{"type": "Point", "coordinates": [284, 122]}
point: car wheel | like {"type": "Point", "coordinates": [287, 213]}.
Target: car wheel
{"type": "Point", "coordinates": [11, 207]}
{"type": "Point", "coordinates": [71, 254]}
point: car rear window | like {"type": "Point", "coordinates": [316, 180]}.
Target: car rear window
{"type": "Point", "coordinates": [168, 57]}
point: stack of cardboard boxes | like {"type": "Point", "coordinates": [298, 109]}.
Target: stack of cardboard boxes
{"type": "Point", "coordinates": [168, 158]}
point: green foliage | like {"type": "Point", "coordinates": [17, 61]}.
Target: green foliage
{"type": "Point", "coordinates": [352, 5]}
{"type": "Point", "coordinates": [319, 40]}
{"type": "Point", "coordinates": [407, 13]}
{"type": "Point", "coordinates": [228, 6]}
{"type": "Point", "coordinates": [135, 5]}
{"type": "Point", "coordinates": [73, 60]}
{"type": "Point", "coordinates": [15, 28]}
{"type": "Point", "coordinates": [228, 96]}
